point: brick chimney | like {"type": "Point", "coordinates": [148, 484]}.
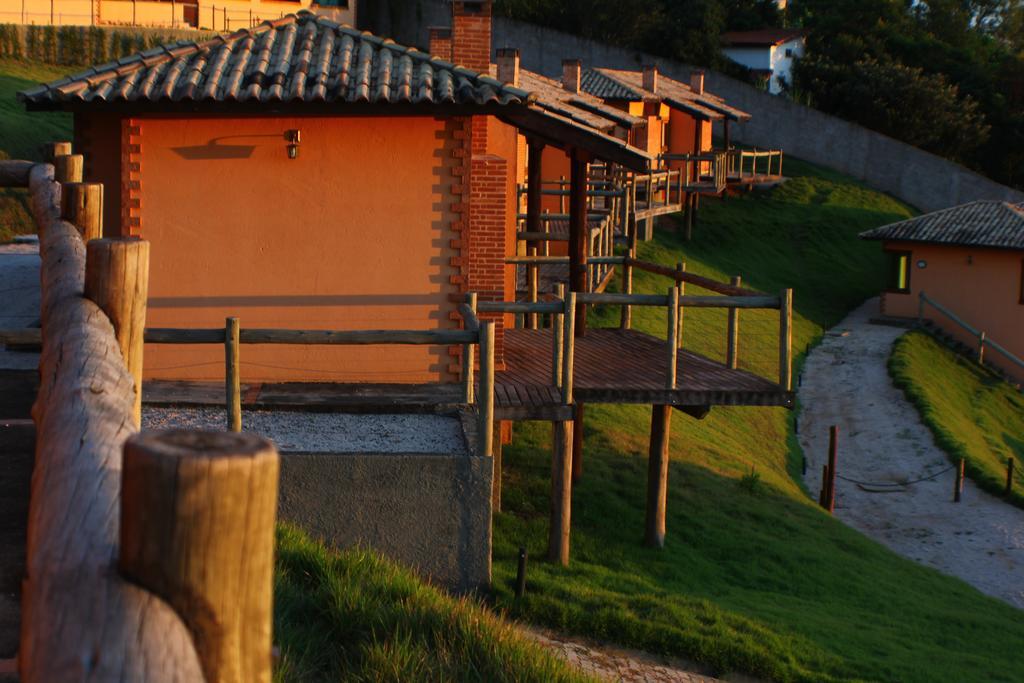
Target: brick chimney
{"type": "Point", "coordinates": [697, 82]}
{"type": "Point", "coordinates": [508, 65]}
{"type": "Point", "coordinates": [471, 34]}
{"type": "Point", "coordinates": [572, 73]}
{"type": "Point", "coordinates": [441, 42]}
{"type": "Point", "coordinates": [651, 77]}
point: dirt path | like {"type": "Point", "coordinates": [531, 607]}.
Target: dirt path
{"type": "Point", "coordinates": [881, 439]}
{"type": "Point", "coordinates": [611, 663]}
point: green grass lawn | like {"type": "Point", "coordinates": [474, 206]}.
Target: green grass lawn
{"type": "Point", "coordinates": [352, 616]}
{"type": "Point", "coordinates": [973, 414]}
{"type": "Point", "coordinates": [754, 578]}
{"type": "Point", "coordinates": [22, 133]}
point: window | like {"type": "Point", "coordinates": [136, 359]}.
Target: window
{"type": "Point", "coordinates": [899, 271]}
{"type": "Point", "coordinates": [789, 52]}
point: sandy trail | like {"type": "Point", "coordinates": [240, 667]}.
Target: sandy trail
{"type": "Point", "coordinates": [881, 439]}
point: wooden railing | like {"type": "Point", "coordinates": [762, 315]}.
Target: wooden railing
{"type": "Point", "coordinates": [745, 165]}
{"type": "Point", "coordinates": [983, 340]}
{"type": "Point", "coordinates": [706, 171]}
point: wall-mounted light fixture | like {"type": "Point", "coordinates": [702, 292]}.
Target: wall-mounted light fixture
{"type": "Point", "coordinates": [292, 136]}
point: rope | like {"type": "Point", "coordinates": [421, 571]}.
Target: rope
{"type": "Point", "coordinates": [893, 483]}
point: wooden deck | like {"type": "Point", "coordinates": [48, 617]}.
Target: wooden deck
{"type": "Point", "coordinates": [619, 366]}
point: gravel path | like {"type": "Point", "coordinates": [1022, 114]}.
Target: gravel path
{"type": "Point", "coordinates": [881, 439]}
{"type": "Point", "coordinates": [326, 432]}
{"type": "Point", "coordinates": [19, 294]}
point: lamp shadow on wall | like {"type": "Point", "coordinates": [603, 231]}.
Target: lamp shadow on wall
{"type": "Point", "coordinates": [215, 149]}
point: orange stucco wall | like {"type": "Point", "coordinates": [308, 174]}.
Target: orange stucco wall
{"type": "Point", "coordinates": [98, 137]}
{"type": "Point", "coordinates": [503, 141]}
{"type": "Point", "coordinates": [681, 135]}
{"type": "Point", "coordinates": [982, 286]}
{"type": "Point", "coordinates": [353, 234]}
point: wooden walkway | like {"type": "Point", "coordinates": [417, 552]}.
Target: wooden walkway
{"type": "Point", "coordinates": [619, 366]}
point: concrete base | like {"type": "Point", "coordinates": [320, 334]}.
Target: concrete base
{"type": "Point", "coordinates": [431, 512]}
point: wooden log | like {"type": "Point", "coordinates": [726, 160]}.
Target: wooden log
{"type": "Point", "coordinates": [733, 332]}
{"type": "Point", "coordinates": [68, 168]}
{"type": "Point", "coordinates": [468, 313]}
{"type": "Point", "coordinates": [117, 280]}
{"type": "Point", "coordinates": [486, 398]}
{"type": "Point", "coordinates": [76, 609]}
{"type": "Point", "coordinates": [672, 337]}
{"type": "Point", "coordinates": [357, 337]}
{"type": "Point", "coordinates": [681, 286]}
{"type": "Point", "coordinates": [468, 382]}
{"type": "Point", "coordinates": [15, 173]}
{"type": "Point", "coordinates": [577, 443]}
{"type": "Point", "coordinates": [197, 528]}
{"type": "Point", "coordinates": [786, 340]}
{"type": "Point", "coordinates": [833, 455]}
{"type": "Point", "coordinates": [561, 492]}
{"type": "Point", "coordinates": [958, 483]}
{"type": "Point", "coordinates": [578, 230]}
{"type": "Point", "coordinates": [82, 205]}
{"type": "Point", "coordinates": [694, 279]}
{"type": "Point", "coordinates": [569, 339]}
{"type": "Point", "coordinates": [52, 150]}
{"type": "Point", "coordinates": [657, 476]}
{"type": "Point", "coordinates": [534, 168]}
{"type": "Point", "coordinates": [29, 336]}
{"type": "Point", "coordinates": [558, 339]}
{"type": "Point", "coordinates": [1009, 476]}
{"type": "Point", "coordinates": [232, 375]}
{"type": "Point", "coordinates": [496, 470]}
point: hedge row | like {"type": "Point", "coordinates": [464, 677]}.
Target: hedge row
{"type": "Point", "coordinates": [76, 45]}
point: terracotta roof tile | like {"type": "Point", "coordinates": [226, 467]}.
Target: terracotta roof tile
{"type": "Point", "coordinates": [993, 224]}
{"type": "Point", "coordinates": [674, 93]}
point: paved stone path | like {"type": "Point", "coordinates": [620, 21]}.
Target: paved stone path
{"type": "Point", "coordinates": [881, 439]}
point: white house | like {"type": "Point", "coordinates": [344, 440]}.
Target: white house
{"type": "Point", "coordinates": [768, 51]}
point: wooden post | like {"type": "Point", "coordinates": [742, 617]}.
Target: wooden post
{"type": "Point", "coordinates": [557, 339]}
{"type": "Point", "coordinates": [577, 443]}
{"type": "Point", "coordinates": [673, 332]}
{"type": "Point", "coordinates": [531, 289]}
{"type": "Point", "coordinates": [232, 380]}
{"type": "Point", "coordinates": [1009, 476]}
{"type": "Point", "coordinates": [833, 454]}
{"type": "Point", "coordinates": [197, 528]}
{"type": "Point", "coordinates": [52, 150]}
{"type": "Point", "coordinates": [823, 495]}
{"type": "Point", "coordinates": [467, 360]}
{"type": "Point", "coordinates": [561, 492]}
{"type": "Point", "coordinates": [578, 236]}
{"type": "Point", "coordinates": [117, 280]}
{"type": "Point", "coordinates": [626, 313]}
{"type": "Point", "coordinates": [958, 483]}
{"type": "Point", "coordinates": [786, 340]}
{"type": "Point", "coordinates": [657, 475]}
{"type": "Point", "coordinates": [733, 335]}
{"type": "Point", "coordinates": [67, 168]}
{"type": "Point", "coordinates": [681, 286]}
{"type": "Point", "coordinates": [688, 216]}
{"type": "Point", "coordinates": [981, 347]}
{"type": "Point", "coordinates": [496, 470]}
{"type": "Point", "coordinates": [486, 398]}
{"type": "Point", "coordinates": [81, 204]}
{"type": "Point", "coordinates": [568, 337]}
{"type": "Point", "coordinates": [534, 171]}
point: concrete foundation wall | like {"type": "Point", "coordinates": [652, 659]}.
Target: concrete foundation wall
{"type": "Point", "coordinates": [430, 512]}
{"type": "Point", "coordinates": [923, 180]}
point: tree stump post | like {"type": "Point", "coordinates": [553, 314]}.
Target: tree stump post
{"type": "Point", "coordinates": [81, 204]}
{"type": "Point", "coordinates": [561, 492]}
{"type": "Point", "coordinates": [117, 280]}
{"type": "Point", "coordinates": [197, 529]}
{"type": "Point", "coordinates": [68, 168]}
{"type": "Point", "coordinates": [232, 375]}
{"type": "Point", "coordinates": [52, 150]}
{"type": "Point", "coordinates": [657, 475]}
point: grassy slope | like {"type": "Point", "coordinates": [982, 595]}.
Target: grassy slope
{"type": "Point", "coordinates": [973, 414]}
{"type": "Point", "coordinates": [352, 616]}
{"type": "Point", "coordinates": [21, 134]}
{"type": "Point", "coordinates": [753, 578]}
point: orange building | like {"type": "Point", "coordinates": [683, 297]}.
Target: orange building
{"type": "Point", "coordinates": [305, 175]}
{"type": "Point", "coordinates": [967, 259]}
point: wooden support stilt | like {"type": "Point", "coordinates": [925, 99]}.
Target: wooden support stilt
{"type": "Point", "coordinates": [561, 492]}
{"type": "Point", "coordinates": [958, 484]}
{"type": "Point", "coordinates": [197, 528]}
{"type": "Point", "coordinates": [578, 236]}
{"type": "Point", "coordinates": [232, 378]}
{"type": "Point", "coordinates": [117, 280]}
{"type": "Point", "coordinates": [657, 475]}
{"type": "Point", "coordinates": [535, 151]}
{"type": "Point", "coordinates": [496, 476]}
{"type": "Point", "coordinates": [577, 443]}
{"type": "Point", "coordinates": [81, 204]}
{"type": "Point", "coordinates": [733, 335]}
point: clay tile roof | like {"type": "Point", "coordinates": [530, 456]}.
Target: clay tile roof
{"type": "Point", "coordinates": [580, 106]}
{"type": "Point", "coordinates": [675, 94]}
{"type": "Point", "coordinates": [993, 224]}
{"type": "Point", "coordinates": [599, 84]}
{"type": "Point", "coordinates": [299, 58]}
{"type": "Point", "coordinates": [765, 37]}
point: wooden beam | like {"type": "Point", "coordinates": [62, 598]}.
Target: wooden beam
{"type": "Point", "coordinates": [485, 400]}
{"type": "Point", "coordinates": [197, 528]}
{"type": "Point", "coordinates": [578, 235]}
{"type": "Point", "coordinates": [561, 492]}
{"type": "Point", "coordinates": [657, 475]}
